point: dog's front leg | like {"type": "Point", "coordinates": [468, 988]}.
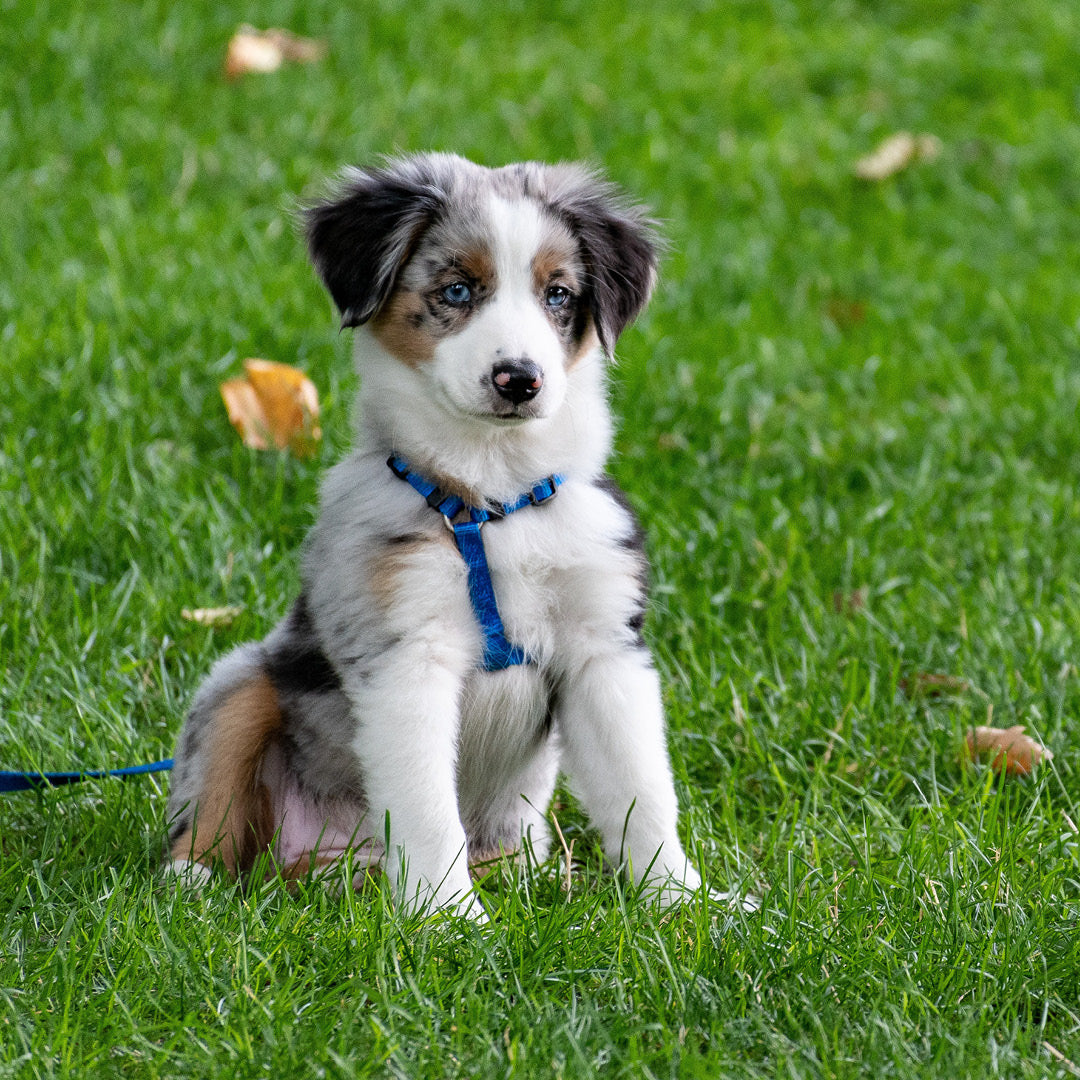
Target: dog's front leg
{"type": "Point", "coordinates": [612, 729]}
{"type": "Point", "coordinates": [407, 710]}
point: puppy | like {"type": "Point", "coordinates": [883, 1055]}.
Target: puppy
{"type": "Point", "coordinates": [473, 591]}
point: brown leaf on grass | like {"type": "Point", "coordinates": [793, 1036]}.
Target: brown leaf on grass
{"type": "Point", "coordinates": [895, 154]}
{"type": "Point", "coordinates": [212, 616]}
{"type": "Point", "coordinates": [1008, 750]}
{"type": "Point", "coordinates": [276, 405]}
{"type": "Point", "coordinates": [849, 603]}
{"type": "Point", "coordinates": [672, 440]}
{"type": "Point", "coordinates": [844, 312]}
{"type": "Point", "coordinates": [931, 684]}
{"type": "Point", "coordinates": [252, 50]}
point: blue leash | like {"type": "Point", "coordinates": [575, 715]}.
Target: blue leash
{"type": "Point", "coordinates": [25, 781]}
{"type": "Point", "coordinates": [498, 652]}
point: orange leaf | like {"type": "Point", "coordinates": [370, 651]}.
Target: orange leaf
{"type": "Point", "coordinates": [1008, 749]}
{"type": "Point", "coordinates": [276, 405]}
{"type": "Point", "coordinates": [252, 50]}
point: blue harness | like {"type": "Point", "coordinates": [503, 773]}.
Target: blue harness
{"type": "Point", "coordinates": [498, 652]}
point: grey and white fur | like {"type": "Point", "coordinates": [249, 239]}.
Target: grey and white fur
{"type": "Point", "coordinates": [487, 303]}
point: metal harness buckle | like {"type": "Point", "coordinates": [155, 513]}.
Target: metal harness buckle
{"type": "Point", "coordinates": [548, 486]}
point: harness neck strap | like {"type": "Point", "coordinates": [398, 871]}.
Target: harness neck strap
{"type": "Point", "coordinates": [499, 653]}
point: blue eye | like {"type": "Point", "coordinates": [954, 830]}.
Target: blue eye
{"type": "Point", "coordinates": [458, 293]}
{"type": "Point", "coordinates": [557, 296]}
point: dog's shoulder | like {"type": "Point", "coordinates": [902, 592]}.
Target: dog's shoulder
{"type": "Point", "coordinates": [598, 511]}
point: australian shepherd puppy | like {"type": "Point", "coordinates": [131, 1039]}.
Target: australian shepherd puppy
{"type": "Point", "coordinates": [469, 624]}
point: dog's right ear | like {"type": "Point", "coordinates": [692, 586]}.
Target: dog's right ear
{"type": "Point", "coordinates": [360, 238]}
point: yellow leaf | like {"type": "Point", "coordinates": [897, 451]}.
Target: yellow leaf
{"type": "Point", "coordinates": [276, 405]}
{"type": "Point", "coordinates": [895, 154]}
{"type": "Point", "coordinates": [1009, 750]}
{"type": "Point", "coordinates": [212, 616]}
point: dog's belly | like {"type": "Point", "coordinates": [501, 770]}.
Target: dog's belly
{"type": "Point", "coordinates": [312, 832]}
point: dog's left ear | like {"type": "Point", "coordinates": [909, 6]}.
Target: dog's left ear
{"type": "Point", "coordinates": [360, 238]}
{"type": "Point", "coordinates": [618, 241]}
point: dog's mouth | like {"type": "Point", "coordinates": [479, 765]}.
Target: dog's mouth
{"type": "Point", "coordinates": [506, 417]}
{"type": "Point", "coordinates": [504, 414]}
{"type": "Point", "coordinates": [511, 418]}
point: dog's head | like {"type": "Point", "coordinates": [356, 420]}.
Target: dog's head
{"type": "Point", "coordinates": [492, 283]}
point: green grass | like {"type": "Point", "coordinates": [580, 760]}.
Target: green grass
{"type": "Point", "coordinates": [838, 387]}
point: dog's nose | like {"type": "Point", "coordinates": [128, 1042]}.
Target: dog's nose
{"type": "Point", "coordinates": [517, 380]}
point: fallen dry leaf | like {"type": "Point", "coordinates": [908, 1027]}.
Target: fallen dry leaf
{"type": "Point", "coordinates": [930, 684]}
{"type": "Point", "coordinates": [252, 50]}
{"type": "Point", "coordinates": [212, 616]}
{"type": "Point", "coordinates": [845, 313]}
{"type": "Point", "coordinates": [849, 603]}
{"type": "Point", "coordinates": [895, 154]}
{"type": "Point", "coordinates": [1008, 749]}
{"type": "Point", "coordinates": [276, 405]}
{"type": "Point", "coordinates": [672, 440]}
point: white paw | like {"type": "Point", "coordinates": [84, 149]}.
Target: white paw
{"type": "Point", "coordinates": [672, 891]}
{"type": "Point", "coordinates": [186, 874]}
{"type": "Point", "coordinates": [743, 901]}
{"type": "Point", "coordinates": [445, 900]}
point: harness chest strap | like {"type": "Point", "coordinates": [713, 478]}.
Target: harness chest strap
{"type": "Point", "coordinates": [499, 653]}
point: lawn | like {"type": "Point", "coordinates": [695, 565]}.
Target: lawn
{"type": "Point", "coordinates": [849, 423]}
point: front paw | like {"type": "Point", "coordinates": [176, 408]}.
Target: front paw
{"type": "Point", "coordinates": [185, 874]}
{"type": "Point", "coordinates": [457, 898]}
{"type": "Point", "coordinates": [745, 902]}
{"type": "Point", "coordinates": [675, 889]}
{"type": "Point", "coordinates": [669, 886]}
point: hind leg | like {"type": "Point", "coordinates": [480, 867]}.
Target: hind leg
{"type": "Point", "coordinates": [235, 796]}
{"type": "Point", "coordinates": [219, 805]}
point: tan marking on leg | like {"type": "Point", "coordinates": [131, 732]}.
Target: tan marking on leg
{"type": "Point", "coordinates": [320, 868]}
{"type": "Point", "coordinates": [233, 816]}
{"type": "Point", "coordinates": [385, 568]}
{"type": "Point", "coordinates": [310, 864]}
